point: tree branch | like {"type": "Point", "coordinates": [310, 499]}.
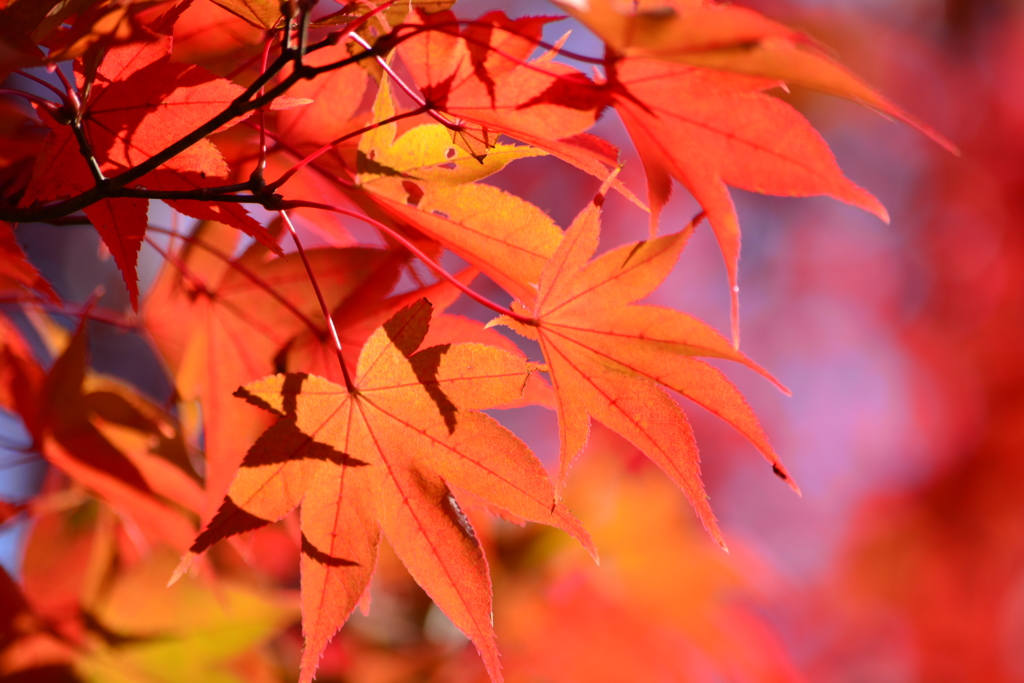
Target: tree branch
{"type": "Point", "coordinates": [250, 100]}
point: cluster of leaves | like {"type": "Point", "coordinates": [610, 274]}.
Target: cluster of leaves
{"type": "Point", "coordinates": [307, 379]}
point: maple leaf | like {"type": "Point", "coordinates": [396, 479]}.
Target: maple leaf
{"type": "Point", "coordinates": [102, 435]}
{"type": "Point", "coordinates": [730, 38]}
{"type": "Point", "coordinates": [139, 103]}
{"type": "Point", "coordinates": [606, 357]}
{"type": "Point", "coordinates": [22, 137]}
{"type": "Point", "coordinates": [360, 314]}
{"type": "Point", "coordinates": [265, 14]}
{"type": "Point", "coordinates": [87, 612]}
{"type": "Point", "coordinates": [481, 75]}
{"type": "Point", "coordinates": [21, 375]}
{"type": "Point", "coordinates": [188, 632]}
{"type": "Point", "coordinates": [220, 322]}
{"type": "Point", "coordinates": [335, 96]}
{"type": "Point", "coordinates": [380, 458]}
{"type": "Point", "coordinates": [673, 609]}
{"type": "Point", "coordinates": [423, 180]}
{"type": "Point", "coordinates": [88, 29]}
{"type": "Point", "coordinates": [484, 78]}
{"type": "Point", "coordinates": [214, 38]}
{"type": "Point", "coordinates": [708, 129]}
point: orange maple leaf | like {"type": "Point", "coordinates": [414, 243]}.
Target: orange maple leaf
{"type": "Point", "coordinates": [108, 439]}
{"type": "Point", "coordinates": [731, 38]}
{"type": "Point", "coordinates": [482, 76]}
{"type": "Point", "coordinates": [380, 457]}
{"type": "Point", "coordinates": [708, 129]}
{"type": "Point", "coordinates": [606, 357]}
{"type": "Point", "coordinates": [222, 323]}
{"type": "Point", "coordinates": [687, 76]}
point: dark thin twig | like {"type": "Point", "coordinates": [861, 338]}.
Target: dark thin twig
{"type": "Point", "coordinates": [199, 194]}
{"type": "Point", "coordinates": [245, 103]}
{"type": "Point", "coordinates": [86, 149]}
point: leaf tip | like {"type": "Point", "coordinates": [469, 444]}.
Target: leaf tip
{"type": "Point", "coordinates": [784, 476]}
{"type": "Point", "coordinates": [494, 322]}
{"type": "Point", "coordinates": [883, 213]}
{"type": "Point", "coordinates": [768, 376]}
{"type": "Point", "coordinates": [572, 526]}
{"type": "Point", "coordinates": [734, 316]}
{"type": "Point", "coordinates": [307, 670]}
{"type": "Point", "coordinates": [872, 204]}
{"type": "Point", "coordinates": [183, 566]}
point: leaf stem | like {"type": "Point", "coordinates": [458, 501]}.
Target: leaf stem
{"type": "Point", "coordinates": [436, 115]}
{"type": "Point", "coordinates": [41, 101]}
{"type": "Point", "coordinates": [240, 106]}
{"type": "Point", "coordinates": [433, 265]}
{"type": "Point", "coordinates": [323, 304]}
{"type": "Point", "coordinates": [179, 266]}
{"type": "Point", "coordinates": [246, 273]}
{"type": "Point", "coordinates": [287, 175]}
{"type": "Point", "coordinates": [72, 96]}
{"type": "Point", "coordinates": [261, 165]}
{"type": "Point", "coordinates": [45, 84]}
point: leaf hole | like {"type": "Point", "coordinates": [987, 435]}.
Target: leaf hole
{"type": "Point", "coordinates": [414, 193]}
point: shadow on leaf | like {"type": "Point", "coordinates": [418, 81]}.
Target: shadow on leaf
{"type": "Point", "coordinates": [285, 442]}
{"type": "Point", "coordinates": [425, 364]}
{"type": "Point", "coordinates": [314, 553]}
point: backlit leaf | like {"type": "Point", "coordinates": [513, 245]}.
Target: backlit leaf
{"type": "Point", "coordinates": [378, 459]}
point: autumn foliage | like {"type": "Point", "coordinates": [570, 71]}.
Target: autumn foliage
{"type": "Point", "coordinates": [338, 297]}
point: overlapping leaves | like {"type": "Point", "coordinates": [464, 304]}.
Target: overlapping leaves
{"type": "Point", "coordinates": [606, 356]}
{"type": "Point", "coordinates": [390, 452]}
{"type": "Point", "coordinates": [382, 457]}
{"type": "Point", "coordinates": [140, 102]}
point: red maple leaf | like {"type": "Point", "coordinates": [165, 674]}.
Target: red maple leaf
{"type": "Point", "coordinates": [140, 103]}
